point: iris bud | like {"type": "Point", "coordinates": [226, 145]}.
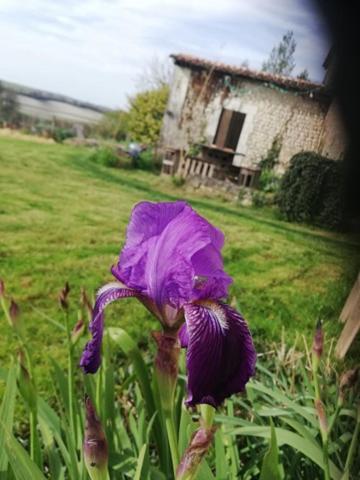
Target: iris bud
{"type": "Point", "coordinates": [95, 445]}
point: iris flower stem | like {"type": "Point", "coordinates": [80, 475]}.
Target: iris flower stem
{"type": "Point", "coordinates": [172, 437]}
{"type": "Point", "coordinates": [199, 445]}
{"type": "Point", "coordinates": [70, 378]}
{"type": "Point", "coordinates": [322, 421]}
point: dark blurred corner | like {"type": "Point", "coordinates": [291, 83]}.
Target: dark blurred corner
{"type": "Point", "coordinates": [343, 21]}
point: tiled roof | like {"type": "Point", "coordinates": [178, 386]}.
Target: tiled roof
{"type": "Point", "coordinates": [265, 77]}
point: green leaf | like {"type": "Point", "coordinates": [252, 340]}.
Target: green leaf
{"type": "Point", "coordinates": [232, 445]}
{"type": "Point", "coordinates": [271, 468]}
{"type": "Point", "coordinates": [156, 474]}
{"type": "Point", "coordinates": [286, 437]}
{"type": "Point", "coordinates": [346, 475]}
{"type": "Point", "coordinates": [185, 429]}
{"type": "Point", "coordinates": [284, 400]}
{"type": "Point", "coordinates": [62, 385]}
{"type": "Point", "coordinates": [22, 465]}
{"type": "Point", "coordinates": [7, 416]}
{"type": "Point", "coordinates": [306, 432]}
{"type": "Point", "coordinates": [205, 472]}
{"type": "Point", "coordinates": [142, 469]}
{"type": "Point", "coordinates": [220, 457]}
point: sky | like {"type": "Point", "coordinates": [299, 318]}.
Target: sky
{"type": "Point", "coordinates": [96, 50]}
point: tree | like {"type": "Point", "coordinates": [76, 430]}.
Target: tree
{"type": "Point", "coordinates": [146, 114]}
{"type": "Point", "coordinates": [156, 74]}
{"type": "Point", "coordinates": [304, 75]}
{"type": "Point", "coordinates": [281, 59]}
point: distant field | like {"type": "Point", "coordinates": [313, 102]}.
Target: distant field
{"type": "Point", "coordinates": [62, 217]}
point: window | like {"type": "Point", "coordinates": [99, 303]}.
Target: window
{"type": "Point", "coordinates": [229, 129]}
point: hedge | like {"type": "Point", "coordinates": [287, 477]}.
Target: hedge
{"type": "Point", "coordinates": [312, 191]}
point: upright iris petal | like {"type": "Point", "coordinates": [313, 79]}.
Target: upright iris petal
{"type": "Point", "coordinates": [220, 352]}
{"type": "Point", "coordinates": [168, 245]}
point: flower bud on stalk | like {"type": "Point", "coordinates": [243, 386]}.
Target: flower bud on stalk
{"type": "Point", "coordinates": [318, 346]}
{"type": "Point", "coordinates": [95, 445]}
{"type": "Point", "coordinates": [14, 312]}
{"type": "Point", "coordinates": [78, 330]}
{"type": "Point", "coordinates": [11, 311]}
{"type": "Point", "coordinates": [85, 303]}
{"type": "Point", "coordinates": [320, 411]}
{"type": "Point", "coordinates": [63, 296]}
{"type": "Point", "coordinates": [198, 447]}
{"type": "Point", "coordinates": [26, 385]}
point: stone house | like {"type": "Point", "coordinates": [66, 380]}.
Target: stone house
{"type": "Point", "coordinates": [222, 120]}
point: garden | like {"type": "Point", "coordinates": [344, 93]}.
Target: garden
{"type": "Point", "coordinates": [64, 216]}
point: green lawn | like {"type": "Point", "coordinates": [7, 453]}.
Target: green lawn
{"type": "Point", "coordinates": [63, 217]}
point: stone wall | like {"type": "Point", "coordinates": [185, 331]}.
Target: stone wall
{"type": "Point", "coordinates": [334, 140]}
{"type": "Point", "coordinates": [226, 189]}
{"type": "Point", "coordinates": [197, 98]}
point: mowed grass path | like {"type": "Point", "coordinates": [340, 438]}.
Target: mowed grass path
{"type": "Point", "coordinates": [63, 218]}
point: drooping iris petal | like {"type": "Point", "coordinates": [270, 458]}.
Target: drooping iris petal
{"type": "Point", "coordinates": [91, 357]}
{"type": "Point", "coordinates": [220, 353]}
{"type": "Point", "coordinates": [172, 255]}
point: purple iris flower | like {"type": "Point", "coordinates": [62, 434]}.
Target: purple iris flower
{"type": "Point", "coordinates": [172, 263]}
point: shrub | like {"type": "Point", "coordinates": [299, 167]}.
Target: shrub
{"type": "Point", "coordinates": [147, 160]}
{"type": "Point", "coordinates": [262, 199]}
{"type": "Point", "coordinates": [59, 134]}
{"type": "Point", "coordinates": [269, 181]}
{"type": "Point", "coordinates": [146, 114]}
{"type": "Point", "coordinates": [312, 191]}
{"type": "Point", "coordinates": [105, 156]}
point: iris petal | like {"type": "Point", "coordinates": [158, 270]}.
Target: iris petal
{"type": "Point", "coordinates": [91, 357]}
{"type": "Point", "coordinates": [220, 353]}
{"type": "Point", "coordinates": [168, 246]}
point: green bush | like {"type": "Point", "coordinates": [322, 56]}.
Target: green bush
{"type": "Point", "coordinates": [147, 160]}
{"type": "Point", "coordinates": [59, 134]}
{"type": "Point", "coordinates": [312, 191]}
{"type": "Point", "coordinates": [269, 181]}
{"type": "Point", "coordinates": [262, 199]}
{"type": "Point", "coordinates": [105, 156]}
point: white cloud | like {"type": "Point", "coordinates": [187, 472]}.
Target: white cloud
{"type": "Point", "coordinates": [94, 49]}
